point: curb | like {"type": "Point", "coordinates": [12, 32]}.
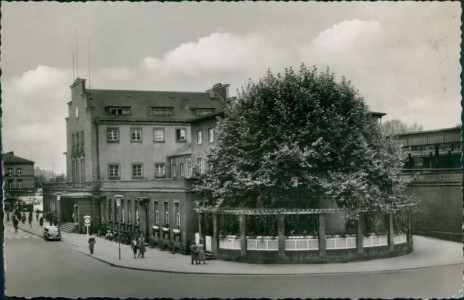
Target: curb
{"type": "Point", "coordinates": [263, 274]}
{"type": "Point", "coordinates": [243, 274]}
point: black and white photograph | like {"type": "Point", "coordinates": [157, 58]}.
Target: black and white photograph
{"type": "Point", "coordinates": [231, 149]}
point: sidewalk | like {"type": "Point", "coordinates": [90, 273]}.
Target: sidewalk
{"type": "Point", "coordinates": [428, 252]}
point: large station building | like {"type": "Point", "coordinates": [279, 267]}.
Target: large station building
{"type": "Point", "coordinates": [136, 149]}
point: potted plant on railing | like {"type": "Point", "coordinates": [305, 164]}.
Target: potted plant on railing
{"type": "Point", "coordinates": [165, 230]}
{"type": "Point", "coordinates": [176, 230]}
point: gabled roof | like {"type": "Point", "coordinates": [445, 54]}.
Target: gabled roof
{"type": "Point", "coordinates": [10, 158]}
{"type": "Point", "coordinates": [141, 102]}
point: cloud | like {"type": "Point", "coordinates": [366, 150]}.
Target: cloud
{"type": "Point", "coordinates": [346, 36]}
{"type": "Point", "coordinates": [216, 53]}
{"type": "Point", "coordinates": [34, 108]}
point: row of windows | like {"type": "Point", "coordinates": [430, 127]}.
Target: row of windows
{"type": "Point", "coordinates": [120, 213]}
{"type": "Point", "coordinates": [210, 136]}
{"type": "Point", "coordinates": [185, 169]}
{"type": "Point", "coordinates": [10, 184]}
{"type": "Point", "coordinates": [158, 110]}
{"type": "Point", "coordinates": [19, 172]}
{"type": "Point", "coordinates": [77, 142]}
{"type": "Point", "coordinates": [136, 134]}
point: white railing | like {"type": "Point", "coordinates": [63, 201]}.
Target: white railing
{"type": "Point", "coordinates": [301, 243]}
{"type": "Point", "coordinates": [263, 244]}
{"type": "Point", "coordinates": [375, 241]}
{"type": "Point", "coordinates": [230, 242]}
{"type": "Point", "coordinates": [400, 238]}
{"type": "Point", "coordinates": [341, 243]}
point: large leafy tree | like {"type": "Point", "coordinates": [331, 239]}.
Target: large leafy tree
{"type": "Point", "coordinates": [296, 136]}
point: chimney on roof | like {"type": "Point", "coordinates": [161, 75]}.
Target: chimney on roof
{"type": "Point", "coordinates": [220, 91]}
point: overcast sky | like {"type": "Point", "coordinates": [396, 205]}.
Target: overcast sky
{"type": "Point", "coordinates": [402, 57]}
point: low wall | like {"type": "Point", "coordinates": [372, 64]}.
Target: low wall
{"type": "Point", "coordinates": [344, 253]}
{"type": "Point", "coordinates": [439, 209]}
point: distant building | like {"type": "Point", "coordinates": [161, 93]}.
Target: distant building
{"type": "Point", "coordinates": [18, 178]}
{"type": "Point", "coordinates": [434, 158]}
{"type": "Point", "coordinates": [433, 149]}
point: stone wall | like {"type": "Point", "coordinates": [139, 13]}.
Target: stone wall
{"type": "Point", "coordinates": [439, 209]}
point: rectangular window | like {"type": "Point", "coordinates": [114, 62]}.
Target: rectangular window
{"type": "Point", "coordinates": [203, 111]}
{"type": "Point", "coordinates": [199, 136]}
{"type": "Point", "coordinates": [119, 110]}
{"type": "Point", "coordinates": [181, 135]}
{"type": "Point", "coordinates": [210, 135]}
{"type": "Point", "coordinates": [110, 210]}
{"type": "Point", "coordinates": [166, 213]}
{"type": "Point", "coordinates": [137, 170]}
{"type": "Point", "coordinates": [173, 170]}
{"type": "Point", "coordinates": [10, 184]}
{"type": "Point", "coordinates": [201, 165]}
{"type": "Point", "coordinates": [162, 111]}
{"type": "Point", "coordinates": [122, 211]}
{"type": "Point", "coordinates": [82, 142]}
{"type": "Point", "coordinates": [181, 169]}
{"type": "Point", "coordinates": [159, 170]}
{"type": "Point", "coordinates": [113, 171]}
{"type": "Point", "coordinates": [189, 169]}
{"type": "Point", "coordinates": [73, 147]}
{"type": "Point", "coordinates": [156, 209]}
{"type": "Point", "coordinates": [10, 171]}
{"type": "Point", "coordinates": [19, 183]}
{"type": "Point", "coordinates": [158, 134]}
{"type": "Point", "coordinates": [137, 219]}
{"type": "Point", "coordinates": [177, 212]}
{"type": "Point", "coordinates": [113, 135]}
{"type": "Point", "coordinates": [136, 134]}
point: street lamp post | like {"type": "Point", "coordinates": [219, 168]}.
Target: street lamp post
{"type": "Point", "coordinates": [118, 204]}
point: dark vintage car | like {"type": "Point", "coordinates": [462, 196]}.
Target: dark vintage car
{"type": "Point", "coordinates": [52, 233]}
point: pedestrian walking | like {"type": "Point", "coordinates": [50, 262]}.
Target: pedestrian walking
{"type": "Point", "coordinates": [37, 215]}
{"type": "Point", "coordinates": [23, 218]}
{"type": "Point", "coordinates": [8, 216]}
{"type": "Point", "coordinates": [134, 246]}
{"type": "Point", "coordinates": [92, 243]}
{"type": "Point", "coordinates": [41, 221]}
{"type": "Point", "coordinates": [194, 253]}
{"type": "Point", "coordinates": [141, 244]}
{"type": "Point", "coordinates": [15, 223]}
{"type": "Point", "coordinates": [29, 219]}
{"type": "Point", "coordinates": [201, 253]}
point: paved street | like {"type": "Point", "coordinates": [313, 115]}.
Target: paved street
{"type": "Point", "coordinates": [35, 267]}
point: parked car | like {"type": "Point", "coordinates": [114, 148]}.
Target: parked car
{"type": "Point", "coordinates": [52, 233]}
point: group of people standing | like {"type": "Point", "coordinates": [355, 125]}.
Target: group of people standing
{"type": "Point", "coordinates": [17, 217]}
{"type": "Point", "coordinates": [197, 253]}
{"type": "Point", "coordinates": [138, 244]}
